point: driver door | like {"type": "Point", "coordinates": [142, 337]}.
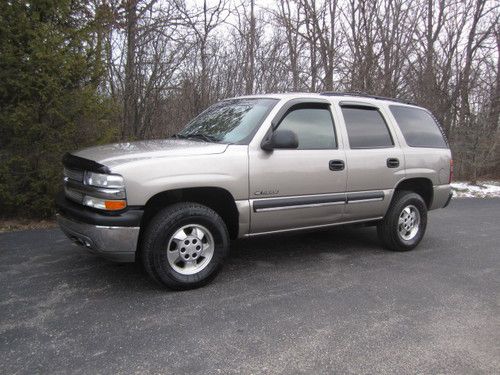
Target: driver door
{"type": "Point", "coordinates": [303, 187]}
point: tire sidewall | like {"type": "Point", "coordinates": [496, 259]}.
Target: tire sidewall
{"type": "Point", "coordinates": [158, 255]}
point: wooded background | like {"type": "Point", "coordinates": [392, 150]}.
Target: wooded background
{"type": "Point", "coordinates": [75, 73]}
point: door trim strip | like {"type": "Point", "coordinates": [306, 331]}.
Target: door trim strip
{"type": "Point", "coordinates": [310, 201]}
{"type": "Point", "coordinates": [273, 204]}
{"type": "Point", "coordinates": [298, 206]}
{"type": "Point", "coordinates": [365, 200]}
{"type": "Point", "coordinates": [365, 196]}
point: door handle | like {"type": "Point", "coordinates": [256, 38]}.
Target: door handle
{"type": "Point", "coordinates": [336, 165]}
{"type": "Point", "coordinates": [392, 163]}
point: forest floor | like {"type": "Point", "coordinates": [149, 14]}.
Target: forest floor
{"type": "Point", "coordinates": [12, 225]}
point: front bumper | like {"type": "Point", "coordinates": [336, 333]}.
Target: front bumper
{"type": "Point", "coordinates": [112, 236]}
{"type": "Point", "coordinates": [115, 243]}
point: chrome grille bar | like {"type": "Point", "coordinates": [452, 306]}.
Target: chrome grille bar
{"type": "Point", "coordinates": [73, 174]}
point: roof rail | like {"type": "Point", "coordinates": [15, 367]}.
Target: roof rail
{"type": "Point", "coordinates": [365, 95]}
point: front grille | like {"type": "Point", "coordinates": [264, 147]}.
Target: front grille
{"type": "Point", "coordinates": [73, 195]}
{"type": "Point", "coordinates": [74, 174]}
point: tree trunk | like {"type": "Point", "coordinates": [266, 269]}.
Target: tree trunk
{"type": "Point", "coordinates": [249, 79]}
{"type": "Point", "coordinates": [129, 128]}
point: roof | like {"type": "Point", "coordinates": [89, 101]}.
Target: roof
{"type": "Point", "coordinates": [323, 95]}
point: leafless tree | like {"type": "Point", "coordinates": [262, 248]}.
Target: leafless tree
{"type": "Point", "coordinates": [168, 60]}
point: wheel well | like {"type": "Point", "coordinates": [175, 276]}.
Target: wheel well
{"type": "Point", "coordinates": [421, 186]}
{"type": "Point", "coordinates": [218, 199]}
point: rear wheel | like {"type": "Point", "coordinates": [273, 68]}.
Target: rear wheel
{"type": "Point", "coordinates": [185, 245]}
{"type": "Point", "coordinates": [404, 224]}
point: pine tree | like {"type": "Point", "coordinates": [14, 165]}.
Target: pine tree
{"type": "Point", "coordinates": [47, 94]}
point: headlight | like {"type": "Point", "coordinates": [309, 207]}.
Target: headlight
{"type": "Point", "coordinates": [97, 190]}
{"type": "Point", "coordinates": [106, 189]}
{"type": "Point", "coordinates": [111, 181]}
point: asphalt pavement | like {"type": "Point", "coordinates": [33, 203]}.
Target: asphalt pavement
{"type": "Point", "coordinates": [329, 302]}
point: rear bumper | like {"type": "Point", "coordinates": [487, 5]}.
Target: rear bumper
{"type": "Point", "coordinates": [448, 200]}
{"type": "Point", "coordinates": [115, 243]}
{"type": "Point", "coordinates": [441, 197]}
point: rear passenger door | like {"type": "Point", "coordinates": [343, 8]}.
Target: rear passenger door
{"type": "Point", "coordinates": [375, 161]}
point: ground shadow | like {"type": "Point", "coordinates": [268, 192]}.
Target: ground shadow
{"type": "Point", "coordinates": [281, 250]}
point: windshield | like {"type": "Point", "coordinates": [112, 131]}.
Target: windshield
{"type": "Point", "coordinates": [229, 121]}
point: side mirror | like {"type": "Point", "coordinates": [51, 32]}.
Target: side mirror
{"type": "Point", "coordinates": [284, 139]}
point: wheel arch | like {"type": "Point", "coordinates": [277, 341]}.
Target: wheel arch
{"type": "Point", "coordinates": [419, 185]}
{"type": "Point", "coordinates": [218, 199]}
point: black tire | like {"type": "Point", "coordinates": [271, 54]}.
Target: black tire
{"type": "Point", "coordinates": [159, 233]}
{"type": "Point", "coordinates": [388, 227]}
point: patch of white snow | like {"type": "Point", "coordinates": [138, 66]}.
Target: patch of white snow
{"type": "Point", "coordinates": [484, 189]}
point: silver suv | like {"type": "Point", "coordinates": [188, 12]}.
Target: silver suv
{"type": "Point", "coordinates": [257, 165]}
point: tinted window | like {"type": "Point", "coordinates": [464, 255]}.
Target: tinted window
{"type": "Point", "coordinates": [418, 127]}
{"type": "Point", "coordinates": [366, 128]}
{"type": "Point", "coordinates": [313, 126]}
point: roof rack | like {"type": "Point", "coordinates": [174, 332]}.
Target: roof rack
{"type": "Point", "coordinates": [365, 95]}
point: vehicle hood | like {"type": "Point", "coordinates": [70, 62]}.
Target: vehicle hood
{"type": "Point", "coordinates": [119, 153]}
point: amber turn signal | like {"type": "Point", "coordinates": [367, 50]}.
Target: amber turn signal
{"type": "Point", "coordinates": [115, 205]}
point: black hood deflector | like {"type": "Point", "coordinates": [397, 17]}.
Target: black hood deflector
{"type": "Point", "coordinates": [76, 162]}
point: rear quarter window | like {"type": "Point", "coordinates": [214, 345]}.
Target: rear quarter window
{"type": "Point", "coordinates": [418, 127]}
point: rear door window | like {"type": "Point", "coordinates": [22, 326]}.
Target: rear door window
{"type": "Point", "coordinates": [366, 128]}
{"type": "Point", "coordinates": [418, 127]}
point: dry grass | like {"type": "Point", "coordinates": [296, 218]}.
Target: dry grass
{"type": "Point", "coordinates": [12, 225]}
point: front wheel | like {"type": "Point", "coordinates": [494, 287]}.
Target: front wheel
{"type": "Point", "coordinates": [185, 245]}
{"type": "Point", "coordinates": [404, 224]}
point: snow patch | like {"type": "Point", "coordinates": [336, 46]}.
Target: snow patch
{"type": "Point", "coordinates": [485, 189]}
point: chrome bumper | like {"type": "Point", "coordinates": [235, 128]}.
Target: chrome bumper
{"type": "Point", "coordinates": [114, 243]}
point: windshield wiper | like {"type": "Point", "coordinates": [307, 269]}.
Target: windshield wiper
{"type": "Point", "coordinates": [203, 137]}
{"type": "Point", "coordinates": [178, 136]}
